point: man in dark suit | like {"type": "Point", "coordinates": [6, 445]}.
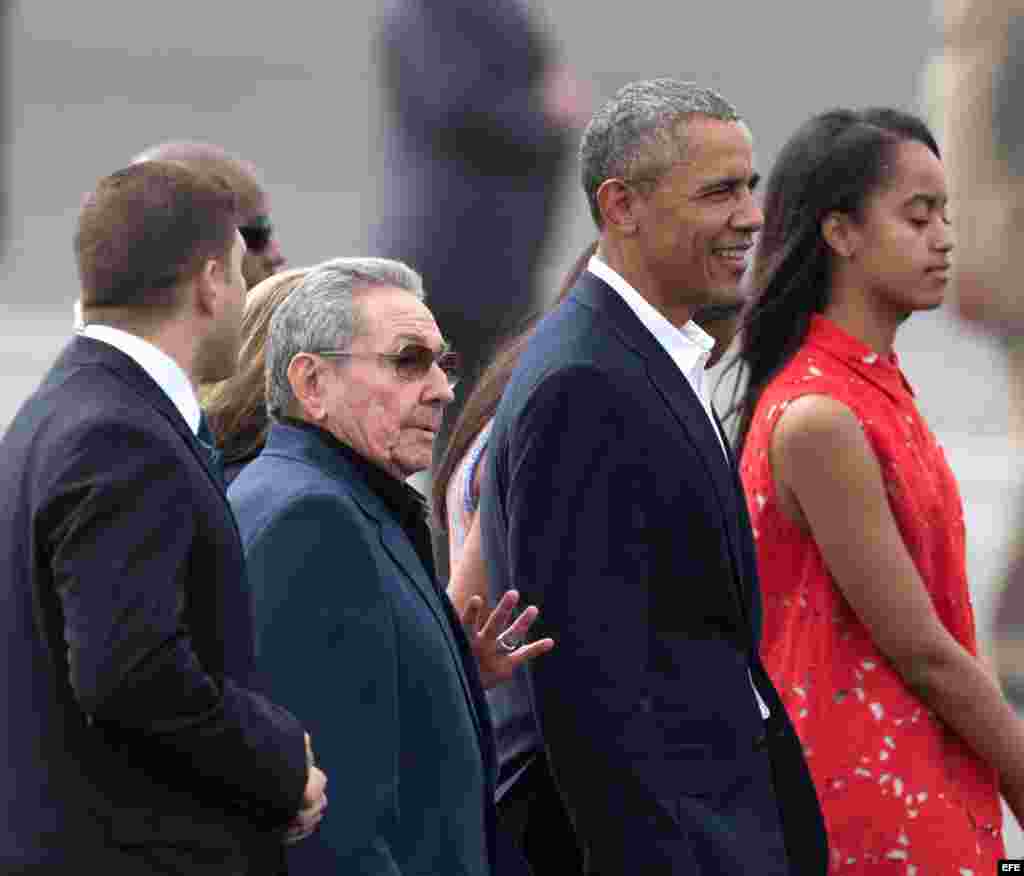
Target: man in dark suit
{"type": "Point", "coordinates": [483, 118]}
{"type": "Point", "coordinates": [611, 500]}
{"type": "Point", "coordinates": [342, 577]}
{"type": "Point", "coordinates": [132, 742]}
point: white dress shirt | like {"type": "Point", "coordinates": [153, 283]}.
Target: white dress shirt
{"type": "Point", "coordinates": [689, 347]}
{"type": "Point", "coordinates": [166, 373]}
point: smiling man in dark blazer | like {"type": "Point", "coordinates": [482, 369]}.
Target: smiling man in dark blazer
{"type": "Point", "coordinates": [343, 579]}
{"type": "Point", "coordinates": [132, 740]}
{"type": "Point", "coordinates": [611, 500]}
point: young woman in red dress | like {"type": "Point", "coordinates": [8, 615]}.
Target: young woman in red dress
{"type": "Point", "coordinates": [868, 628]}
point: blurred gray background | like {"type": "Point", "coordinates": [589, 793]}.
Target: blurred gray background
{"type": "Point", "coordinates": [294, 88]}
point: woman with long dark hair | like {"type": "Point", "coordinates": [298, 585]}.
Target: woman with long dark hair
{"type": "Point", "coordinates": [868, 628]}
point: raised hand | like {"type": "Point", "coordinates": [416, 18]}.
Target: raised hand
{"type": "Point", "coordinates": [498, 643]}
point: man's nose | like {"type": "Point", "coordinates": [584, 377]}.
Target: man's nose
{"type": "Point", "coordinates": [944, 241]}
{"type": "Point", "coordinates": [439, 387]}
{"type": "Point", "coordinates": [274, 255]}
{"type": "Point", "coordinates": [749, 216]}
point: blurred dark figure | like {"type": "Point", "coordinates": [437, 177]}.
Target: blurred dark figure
{"type": "Point", "coordinates": [483, 118]}
{"type": "Point", "coordinates": [982, 70]}
{"type": "Point", "coordinates": [263, 256]}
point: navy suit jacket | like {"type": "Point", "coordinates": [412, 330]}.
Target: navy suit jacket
{"type": "Point", "coordinates": [129, 732]}
{"type": "Point", "coordinates": [608, 502]}
{"type": "Point", "coordinates": [353, 631]}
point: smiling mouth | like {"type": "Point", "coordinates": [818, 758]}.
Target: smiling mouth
{"type": "Point", "coordinates": [736, 254]}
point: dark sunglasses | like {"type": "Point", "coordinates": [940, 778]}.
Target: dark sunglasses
{"type": "Point", "coordinates": [410, 363]}
{"type": "Point", "coordinates": [257, 234]}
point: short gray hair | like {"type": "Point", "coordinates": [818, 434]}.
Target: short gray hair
{"type": "Point", "coordinates": [635, 135]}
{"type": "Point", "coordinates": [322, 314]}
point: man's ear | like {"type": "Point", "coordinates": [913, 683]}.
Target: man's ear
{"type": "Point", "coordinates": [840, 233]}
{"type": "Point", "coordinates": [619, 203]}
{"type": "Point", "coordinates": [208, 286]}
{"type": "Point", "coordinates": [306, 378]}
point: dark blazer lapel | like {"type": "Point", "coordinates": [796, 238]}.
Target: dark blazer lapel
{"type": "Point", "coordinates": [88, 351]}
{"type": "Point", "coordinates": [397, 545]}
{"type": "Point", "coordinates": [677, 393]}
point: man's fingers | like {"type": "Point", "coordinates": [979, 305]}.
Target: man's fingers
{"type": "Point", "coordinates": [316, 784]}
{"type": "Point", "coordinates": [306, 821]}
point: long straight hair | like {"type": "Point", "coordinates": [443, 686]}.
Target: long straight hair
{"type": "Point", "coordinates": [483, 401]}
{"type": "Point", "coordinates": [833, 163]}
{"type": "Point", "coordinates": [236, 408]}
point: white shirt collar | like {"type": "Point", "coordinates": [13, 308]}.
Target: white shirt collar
{"type": "Point", "coordinates": [166, 373]}
{"type": "Point", "coordinates": [689, 346]}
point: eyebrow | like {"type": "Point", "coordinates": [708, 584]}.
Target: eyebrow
{"type": "Point", "coordinates": [730, 182]}
{"type": "Point", "coordinates": [930, 201]}
{"type": "Point", "coordinates": [420, 339]}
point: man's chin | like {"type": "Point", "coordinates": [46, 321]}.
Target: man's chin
{"type": "Point", "coordinates": [731, 295]}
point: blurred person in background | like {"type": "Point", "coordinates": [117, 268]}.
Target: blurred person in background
{"type": "Point", "coordinates": [609, 497]}
{"type": "Point", "coordinates": [981, 102]}
{"type": "Point", "coordinates": [236, 408]}
{"type": "Point", "coordinates": [528, 802]}
{"type": "Point", "coordinates": [133, 742]}
{"type": "Point", "coordinates": [869, 632]}
{"type": "Point", "coordinates": [482, 121]}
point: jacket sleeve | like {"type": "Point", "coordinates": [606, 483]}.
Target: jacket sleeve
{"type": "Point", "coordinates": [579, 499]}
{"type": "Point", "coordinates": [466, 76]}
{"type": "Point", "coordinates": [326, 647]}
{"type": "Point", "coordinates": [119, 538]}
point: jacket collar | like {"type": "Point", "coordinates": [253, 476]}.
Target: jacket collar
{"type": "Point", "coordinates": [84, 351]}
{"type": "Point", "coordinates": [166, 373]}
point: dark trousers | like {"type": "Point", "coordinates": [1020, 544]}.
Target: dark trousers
{"type": "Point", "coordinates": [532, 815]}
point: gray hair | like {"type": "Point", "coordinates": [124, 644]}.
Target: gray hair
{"type": "Point", "coordinates": [322, 314]}
{"type": "Point", "coordinates": [635, 136]}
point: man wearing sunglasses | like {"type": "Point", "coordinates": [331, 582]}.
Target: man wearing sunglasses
{"type": "Point", "coordinates": [263, 256]}
{"type": "Point", "coordinates": [339, 559]}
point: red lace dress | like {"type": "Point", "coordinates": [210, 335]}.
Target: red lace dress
{"type": "Point", "coordinates": [901, 793]}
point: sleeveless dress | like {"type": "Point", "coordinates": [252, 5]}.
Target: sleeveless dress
{"type": "Point", "coordinates": [901, 793]}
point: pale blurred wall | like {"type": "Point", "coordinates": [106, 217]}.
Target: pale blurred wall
{"type": "Point", "coordinates": [292, 87]}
